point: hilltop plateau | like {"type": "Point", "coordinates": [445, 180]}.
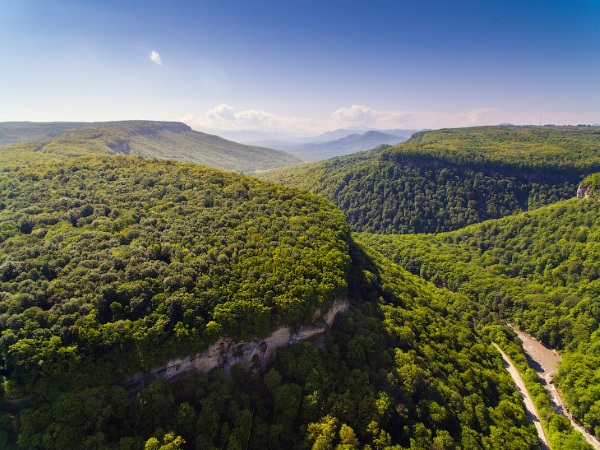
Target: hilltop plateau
{"type": "Point", "coordinates": [165, 140]}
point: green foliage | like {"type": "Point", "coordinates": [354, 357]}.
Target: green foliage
{"type": "Point", "coordinates": [424, 378]}
{"type": "Point", "coordinates": [539, 270]}
{"type": "Point", "coordinates": [169, 442]}
{"type": "Point", "coordinates": [109, 265]}
{"type": "Point", "coordinates": [447, 179]}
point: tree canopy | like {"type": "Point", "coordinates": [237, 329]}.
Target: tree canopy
{"type": "Point", "coordinates": [446, 179]}
{"type": "Point", "coordinates": [539, 269]}
{"type": "Point", "coordinates": [118, 258]}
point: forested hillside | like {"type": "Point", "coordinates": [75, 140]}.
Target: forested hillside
{"type": "Point", "coordinates": [17, 132]}
{"type": "Point", "coordinates": [539, 270]}
{"type": "Point", "coordinates": [110, 265]}
{"type": "Point", "coordinates": [446, 179]}
{"type": "Point", "coordinates": [94, 241]}
{"type": "Point", "coordinates": [402, 370]}
{"type": "Point", "coordinates": [165, 140]}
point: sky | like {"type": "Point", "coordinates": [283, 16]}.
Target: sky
{"type": "Point", "coordinates": [302, 66]}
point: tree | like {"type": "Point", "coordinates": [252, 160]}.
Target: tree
{"type": "Point", "coordinates": [348, 439]}
{"type": "Point", "coordinates": [169, 442]}
{"type": "Point", "coordinates": [323, 433]}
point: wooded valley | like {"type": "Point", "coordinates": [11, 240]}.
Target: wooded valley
{"type": "Point", "coordinates": [444, 180]}
{"type": "Point", "coordinates": [111, 265]}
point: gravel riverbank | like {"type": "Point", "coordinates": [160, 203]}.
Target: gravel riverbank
{"type": "Point", "coordinates": [545, 362]}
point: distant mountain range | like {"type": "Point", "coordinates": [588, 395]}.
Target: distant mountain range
{"type": "Point", "coordinates": [165, 140]}
{"type": "Point", "coordinates": [337, 143]}
{"type": "Point", "coordinates": [344, 132]}
{"type": "Point", "coordinates": [176, 140]}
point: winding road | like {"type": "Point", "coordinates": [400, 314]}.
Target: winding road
{"type": "Point", "coordinates": [532, 412]}
{"type": "Point", "coordinates": [545, 362]}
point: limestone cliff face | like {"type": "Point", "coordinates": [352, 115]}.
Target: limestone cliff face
{"type": "Point", "coordinates": [584, 191]}
{"type": "Point", "coordinates": [224, 354]}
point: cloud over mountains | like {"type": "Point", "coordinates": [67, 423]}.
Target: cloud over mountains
{"type": "Point", "coordinates": [227, 117]}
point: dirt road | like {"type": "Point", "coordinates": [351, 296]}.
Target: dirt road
{"type": "Point", "coordinates": [532, 412]}
{"type": "Point", "coordinates": [545, 361]}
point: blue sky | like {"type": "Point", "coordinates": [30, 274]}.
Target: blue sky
{"type": "Point", "coordinates": [302, 66]}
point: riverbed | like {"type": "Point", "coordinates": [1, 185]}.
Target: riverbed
{"type": "Point", "coordinates": [542, 359]}
{"type": "Point", "coordinates": [545, 361]}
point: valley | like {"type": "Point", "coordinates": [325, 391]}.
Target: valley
{"type": "Point", "coordinates": [545, 362]}
{"type": "Point", "coordinates": [121, 269]}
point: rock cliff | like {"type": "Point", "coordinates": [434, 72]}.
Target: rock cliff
{"type": "Point", "coordinates": [256, 353]}
{"type": "Point", "coordinates": [584, 191]}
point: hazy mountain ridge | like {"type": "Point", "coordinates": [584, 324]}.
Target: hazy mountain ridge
{"type": "Point", "coordinates": [165, 140]}
{"type": "Point", "coordinates": [338, 143]}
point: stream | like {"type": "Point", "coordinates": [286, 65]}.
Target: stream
{"type": "Point", "coordinates": [545, 362]}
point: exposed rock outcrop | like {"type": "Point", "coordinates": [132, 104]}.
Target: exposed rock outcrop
{"type": "Point", "coordinates": [120, 146]}
{"type": "Point", "coordinates": [584, 191]}
{"type": "Point", "coordinates": [257, 353]}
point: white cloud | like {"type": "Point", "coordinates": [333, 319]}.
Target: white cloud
{"type": "Point", "coordinates": [226, 117]}
{"type": "Point", "coordinates": [364, 116]}
{"type": "Point", "coordinates": [155, 58]}
{"type": "Point", "coordinates": [221, 112]}
{"type": "Point", "coordinates": [355, 115]}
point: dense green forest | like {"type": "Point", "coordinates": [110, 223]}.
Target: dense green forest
{"type": "Point", "coordinates": [111, 265]}
{"type": "Point", "coordinates": [540, 270]}
{"type": "Point", "coordinates": [446, 179]}
{"type": "Point", "coordinates": [165, 140]}
{"type": "Point", "coordinates": [105, 254]}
